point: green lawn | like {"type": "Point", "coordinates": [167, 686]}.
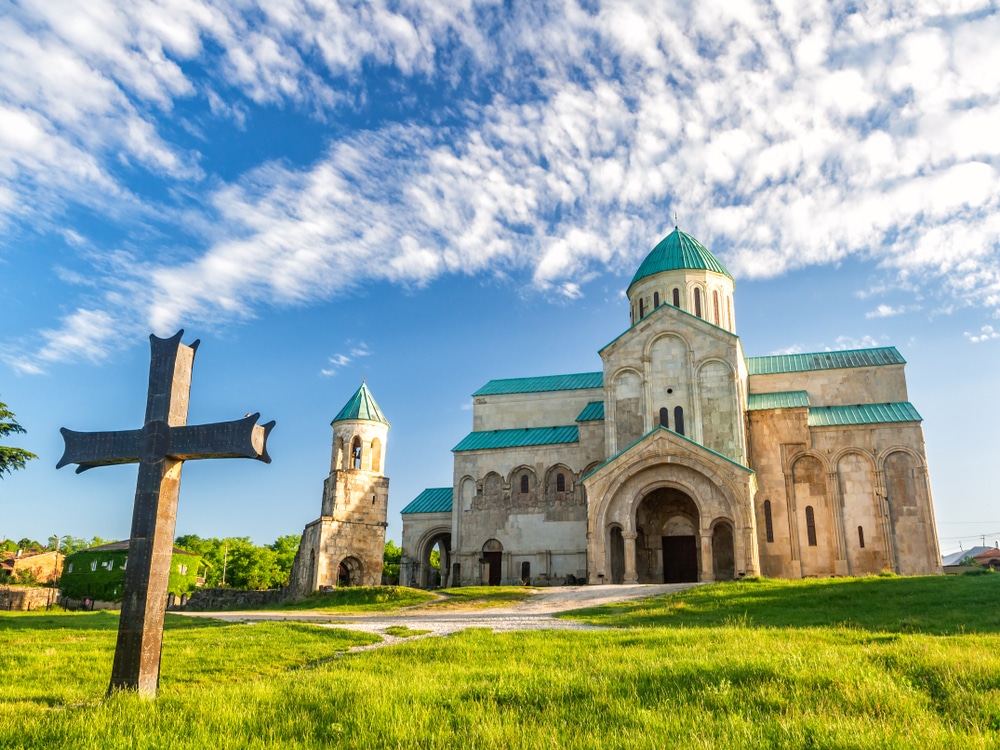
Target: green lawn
{"type": "Point", "coordinates": [867, 663]}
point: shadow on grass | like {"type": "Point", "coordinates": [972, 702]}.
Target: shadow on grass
{"type": "Point", "coordinates": [937, 605]}
{"type": "Point", "coordinates": [104, 620]}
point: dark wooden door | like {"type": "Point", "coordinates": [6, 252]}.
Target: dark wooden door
{"type": "Point", "coordinates": [680, 559]}
{"type": "Point", "coordinates": [495, 561]}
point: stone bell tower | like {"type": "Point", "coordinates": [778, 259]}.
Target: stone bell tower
{"type": "Point", "coordinates": [345, 545]}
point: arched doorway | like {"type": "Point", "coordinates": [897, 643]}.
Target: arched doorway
{"type": "Point", "coordinates": [493, 560]}
{"type": "Point", "coordinates": [667, 521]}
{"type": "Point", "coordinates": [433, 569]}
{"type": "Point", "coordinates": [349, 572]}
{"type": "Point", "coordinates": [616, 549]}
{"type": "Point", "coordinates": [723, 551]}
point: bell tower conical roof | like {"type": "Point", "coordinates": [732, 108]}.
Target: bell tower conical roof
{"type": "Point", "coordinates": [678, 251]}
{"type": "Point", "coordinates": [361, 406]}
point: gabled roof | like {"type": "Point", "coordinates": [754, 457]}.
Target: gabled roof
{"type": "Point", "coordinates": [780, 400]}
{"type": "Point", "coordinates": [956, 557]}
{"type": "Point", "coordinates": [542, 383]}
{"type": "Point", "coordinates": [886, 355]}
{"type": "Point", "coordinates": [432, 500]}
{"type": "Point", "coordinates": [592, 412]}
{"type": "Point", "coordinates": [678, 251]}
{"type": "Point", "coordinates": [675, 434]}
{"type": "Point", "coordinates": [678, 310]}
{"type": "Point", "coordinates": [361, 406]}
{"type": "Point", "coordinates": [477, 441]}
{"type": "Point", "coordinates": [831, 416]}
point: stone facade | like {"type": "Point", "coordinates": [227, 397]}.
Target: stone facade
{"type": "Point", "coordinates": [682, 459]}
{"type": "Point", "coordinates": [345, 545]}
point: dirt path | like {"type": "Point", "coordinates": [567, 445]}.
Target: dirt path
{"type": "Point", "coordinates": [534, 613]}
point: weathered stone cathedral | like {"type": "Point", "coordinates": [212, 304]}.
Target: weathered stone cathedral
{"type": "Point", "coordinates": [683, 460]}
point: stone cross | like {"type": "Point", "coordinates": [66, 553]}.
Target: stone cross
{"type": "Point", "coordinates": [160, 448]}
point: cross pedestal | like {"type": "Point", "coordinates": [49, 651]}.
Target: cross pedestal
{"type": "Point", "coordinates": [160, 448]}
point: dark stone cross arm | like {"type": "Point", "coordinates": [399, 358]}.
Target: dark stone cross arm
{"type": "Point", "coordinates": [160, 447]}
{"type": "Point", "coordinates": [240, 438]}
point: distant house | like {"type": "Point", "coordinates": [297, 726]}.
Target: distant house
{"type": "Point", "coordinates": [989, 559]}
{"type": "Point", "coordinates": [959, 562]}
{"type": "Point", "coordinates": [99, 572]}
{"type": "Point", "coordinates": [31, 565]}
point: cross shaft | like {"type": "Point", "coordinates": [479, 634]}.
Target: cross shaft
{"type": "Point", "coordinates": [160, 448]}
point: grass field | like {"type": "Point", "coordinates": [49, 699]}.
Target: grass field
{"type": "Point", "coordinates": [869, 663]}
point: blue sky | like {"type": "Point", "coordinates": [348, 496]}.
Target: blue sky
{"type": "Point", "coordinates": [435, 194]}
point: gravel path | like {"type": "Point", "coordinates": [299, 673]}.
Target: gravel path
{"type": "Point", "coordinates": [534, 613]}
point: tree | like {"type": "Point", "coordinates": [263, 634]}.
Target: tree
{"type": "Point", "coordinates": [11, 459]}
{"type": "Point", "coordinates": [390, 562]}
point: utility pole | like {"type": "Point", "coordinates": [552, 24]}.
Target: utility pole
{"type": "Point", "coordinates": [225, 558]}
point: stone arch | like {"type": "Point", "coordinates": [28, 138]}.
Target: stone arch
{"type": "Point", "coordinates": [621, 500]}
{"type": "Point", "coordinates": [715, 493]}
{"type": "Point", "coordinates": [909, 510]}
{"type": "Point", "coordinates": [811, 490]}
{"type": "Point", "coordinates": [670, 521]}
{"type": "Point", "coordinates": [426, 576]}
{"type": "Point", "coordinates": [860, 506]}
{"type": "Point", "coordinates": [552, 491]}
{"type": "Point", "coordinates": [616, 554]}
{"type": "Point", "coordinates": [626, 388]}
{"type": "Point", "coordinates": [337, 460]}
{"type": "Point", "coordinates": [354, 460]}
{"type": "Point", "coordinates": [718, 407]}
{"type": "Point", "coordinates": [466, 492]}
{"type": "Point", "coordinates": [523, 486]}
{"type": "Point", "coordinates": [492, 561]}
{"type": "Point", "coordinates": [723, 549]}
{"type": "Point", "coordinates": [492, 496]}
{"type": "Point", "coordinates": [376, 454]}
{"type": "Point", "coordinates": [349, 572]}
{"type": "Point", "coordinates": [669, 384]}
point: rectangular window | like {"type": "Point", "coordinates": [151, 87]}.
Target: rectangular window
{"type": "Point", "coordinates": [183, 569]}
{"type": "Point", "coordinates": [93, 566]}
{"type": "Point", "coordinates": [70, 568]}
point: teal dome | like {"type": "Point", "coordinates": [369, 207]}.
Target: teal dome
{"type": "Point", "coordinates": [361, 407]}
{"type": "Point", "coordinates": [675, 252]}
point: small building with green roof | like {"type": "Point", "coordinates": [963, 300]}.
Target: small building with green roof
{"type": "Point", "coordinates": [683, 459]}
{"type": "Point", "coordinates": [345, 545]}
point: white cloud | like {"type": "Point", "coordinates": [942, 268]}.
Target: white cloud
{"type": "Point", "coordinates": [339, 361]}
{"type": "Point", "coordinates": [986, 333]}
{"type": "Point", "coordinates": [785, 136]}
{"type": "Point", "coordinates": [888, 311]}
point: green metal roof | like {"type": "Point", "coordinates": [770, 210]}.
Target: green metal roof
{"type": "Point", "coordinates": [676, 251]}
{"type": "Point", "coordinates": [886, 355]}
{"type": "Point", "coordinates": [682, 437]}
{"type": "Point", "coordinates": [831, 416]}
{"type": "Point", "coordinates": [543, 383]}
{"type": "Point", "coordinates": [477, 441]}
{"type": "Point", "coordinates": [361, 406]}
{"type": "Point", "coordinates": [781, 400]}
{"type": "Point", "coordinates": [592, 412]}
{"type": "Point", "coordinates": [433, 500]}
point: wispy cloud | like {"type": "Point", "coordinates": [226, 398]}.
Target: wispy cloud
{"type": "Point", "coordinates": [986, 333]}
{"type": "Point", "coordinates": [339, 361]}
{"type": "Point", "coordinates": [784, 137]}
{"type": "Point", "coordinates": [888, 311]}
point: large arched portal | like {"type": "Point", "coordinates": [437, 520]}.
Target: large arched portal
{"type": "Point", "coordinates": [432, 569]}
{"type": "Point", "coordinates": [667, 522]}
